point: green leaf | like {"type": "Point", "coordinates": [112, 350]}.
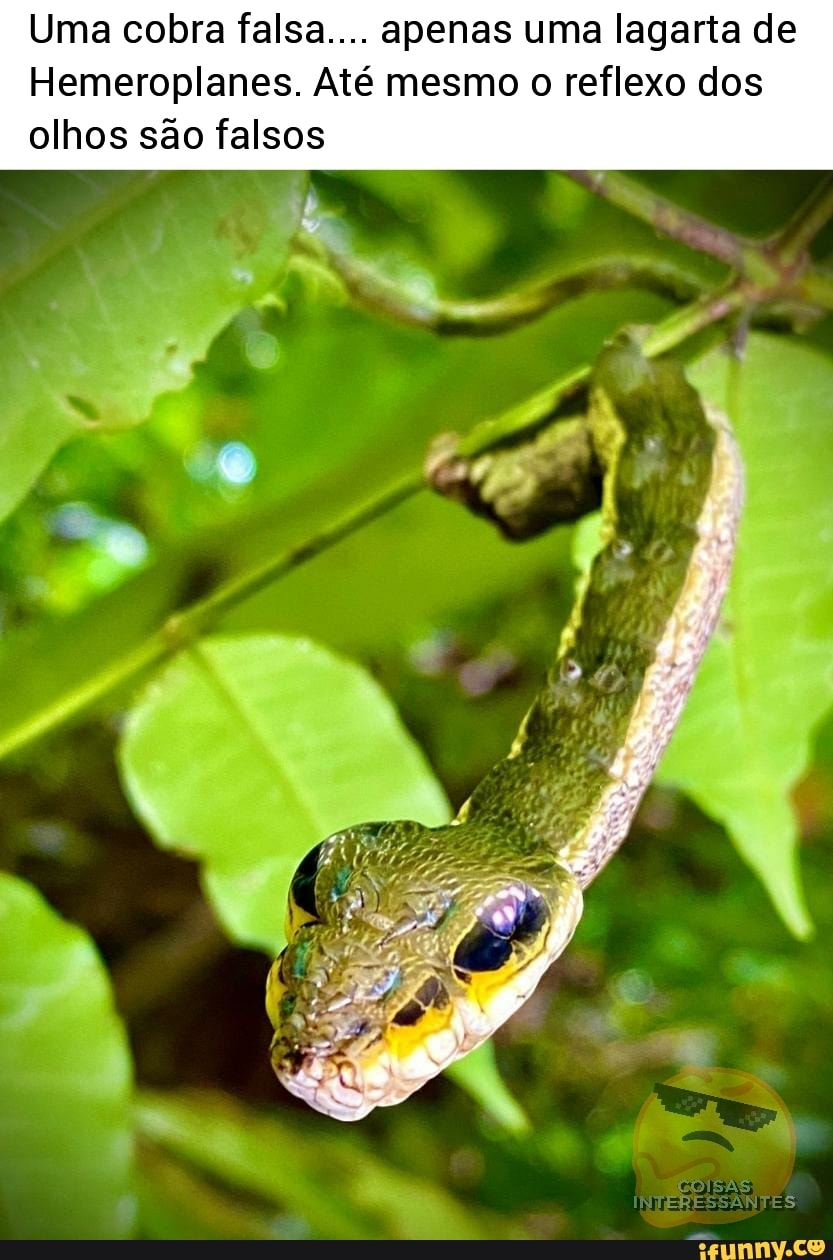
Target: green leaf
{"type": "Point", "coordinates": [479, 1075]}
{"type": "Point", "coordinates": [767, 679]}
{"type": "Point", "coordinates": [65, 1119]}
{"type": "Point", "coordinates": [246, 751]}
{"type": "Point", "coordinates": [113, 284]}
{"type": "Point", "coordinates": [461, 229]}
{"type": "Point", "coordinates": [177, 1203]}
{"type": "Point", "coordinates": [46, 664]}
{"type": "Point", "coordinates": [325, 1175]}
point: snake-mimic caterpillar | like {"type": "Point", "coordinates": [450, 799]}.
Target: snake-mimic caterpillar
{"type": "Point", "coordinates": [409, 945]}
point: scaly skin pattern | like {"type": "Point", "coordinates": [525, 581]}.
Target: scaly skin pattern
{"type": "Point", "coordinates": [408, 945]}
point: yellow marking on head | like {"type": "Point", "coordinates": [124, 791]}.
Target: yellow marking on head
{"type": "Point", "coordinates": [483, 986]}
{"type": "Point", "coordinates": [295, 918]}
{"type": "Point", "coordinates": [275, 990]}
{"type": "Point", "coordinates": [402, 1039]}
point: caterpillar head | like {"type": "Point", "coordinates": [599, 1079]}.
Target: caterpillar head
{"type": "Point", "coordinates": [407, 947]}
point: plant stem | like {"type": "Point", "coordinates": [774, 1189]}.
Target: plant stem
{"type": "Point", "coordinates": [664, 216]}
{"type": "Point", "coordinates": [690, 320]}
{"type": "Point", "coordinates": [525, 418]}
{"type": "Point", "coordinates": [182, 627]}
{"type": "Point", "coordinates": [818, 288]}
{"type": "Point", "coordinates": [780, 281]}
{"type": "Point", "coordinates": [121, 671]}
{"type": "Point", "coordinates": [806, 223]}
{"type": "Point", "coordinates": [486, 317]}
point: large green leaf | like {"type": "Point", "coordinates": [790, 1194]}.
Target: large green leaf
{"type": "Point", "coordinates": [767, 679]}
{"type": "Point", "coordinates": [112, 284]}
{"type": "Point", "coordinates": [325, 1175]}
{"type": "Point", "coordinates": [65, 1117]}
{"type": "Point", "coordinates": [248, 750]}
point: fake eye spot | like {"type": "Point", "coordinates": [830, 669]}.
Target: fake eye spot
{"type": "Point", "coordinates": [514, 916]}
{"type": "Point", "coordinates": [418, 1019]}
{"type": "Point", "coordinates": [431, 993]}
{"type": "Point", "coordinates": [301, 907]}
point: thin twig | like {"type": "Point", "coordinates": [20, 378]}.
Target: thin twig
{"type": "Point", "coordinates": [778, 273]}
{"type": "Point", "coordinates": [486, 317]}
{"type": "Point", "coordinates": [713, 308]}
{"type": "Point", "coordinates": [183, 626]}
{"type": "Point", "coordinates": [806, 223]}
{"type": "Point", "coordinates": [526, 418]}
{"type": "Point", "coordinates": [664, 216]}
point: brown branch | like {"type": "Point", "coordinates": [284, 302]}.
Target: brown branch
{"type": "Point", "coordinates": [664, 216]}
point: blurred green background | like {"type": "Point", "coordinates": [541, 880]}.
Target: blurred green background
{"type": "Point", "coordinates": [301, 406]}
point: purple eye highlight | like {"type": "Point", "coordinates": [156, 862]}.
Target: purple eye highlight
{"type": "Point", "coordinates": [512, 916]}
{"type": "Point", "coordinates": [516, 912]}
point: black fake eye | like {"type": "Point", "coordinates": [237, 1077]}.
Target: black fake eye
{"type": "Point", "coordinates": [514, 915]}
{"type": "Point", "coordinates": [481, 950]}
{"type": "Point", "coordinates": [302, 888]}
{"type": "Point", "coordinates": [430, 993]}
